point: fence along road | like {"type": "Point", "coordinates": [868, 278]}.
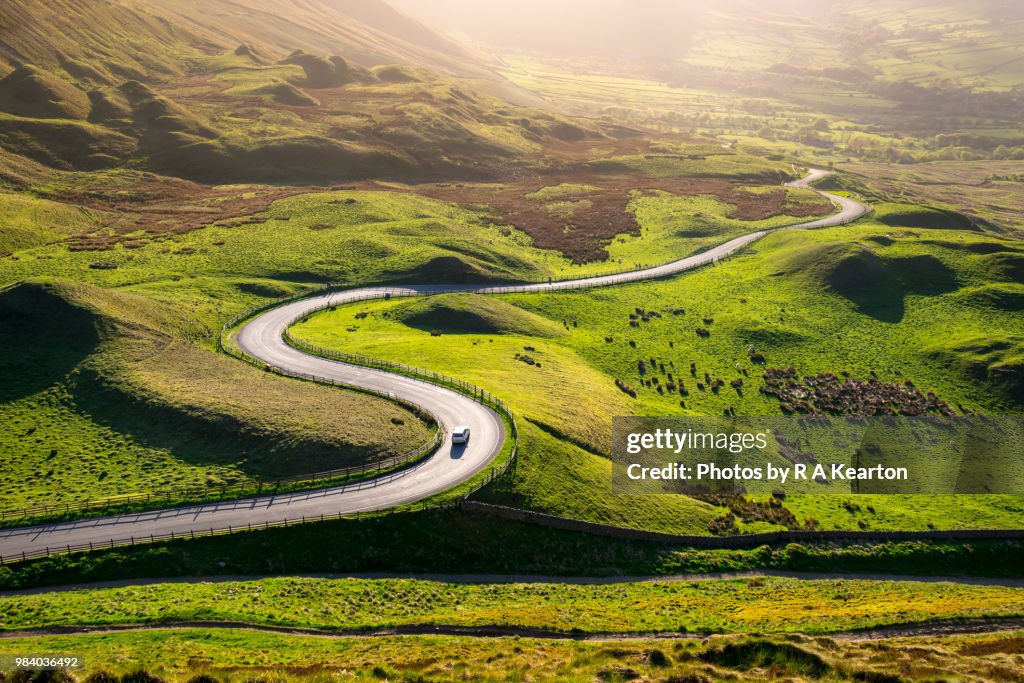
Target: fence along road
{"type": "Point", "coordinates": [262, 338]}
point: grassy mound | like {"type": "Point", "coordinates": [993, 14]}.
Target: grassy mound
{"type": "Point", "coordinates": [876, 284]}
{"type": "Point", "coordinates": [915, 216]}
{"type": "Point", "coordinates": [286, 93]}
{"type": "Point", "coordinates": [462, 265]}
{"type": "Point", "coordinates": [923, 274]}
{"type": "Point", "coordinates": [777, 657]}
{"type": "Point", "coordinates": [974, 246]}
{"type": "Point", "coordinates": [1006, 266]}
{"type": "Point", "coordinates": [396, 74]}
{"type": "Point", "coordinates": [251, 53]}
{"type": "Point", "coordinates": [46, 336]}
{"type": "Point", "coordinates": [1003, 296]}
{"type": "Point", "coordinates": [282, 92]}
{"type": "Point", "coordinates": [109, 393]}
{"type": "Point", "coordinates": [326, 72]}
{"type": "Point", "coordinates": [155, 112]}
{"type": "Point", "coordinates": [35, 93]}
{"type": "Point", "coordinates": [853, 270]}
{"type": "Point", "coordinates": [473, 313]}
{"type": "Point", "coordinates": [64, 143]}
{"type": "Point", "coordinates": [292, 159]}
{"type": "Point", "coordinates": [997, 360]}
{"type": "Point", "coordinates": [83, 72]}
{"type": "Point", "coordinates": [109, 106]}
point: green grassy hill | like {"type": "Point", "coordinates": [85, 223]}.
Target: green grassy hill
{"type": "Point", "coordinates": [716, 606]}
{"type": "Point", "coordinates": [107, 393]}
{"type": "Point", "coordinates": [107, 41]}
{"type": "Point", "coordinates": [258, 92]}
{"type": "Point", "coordinates": [931, 305]}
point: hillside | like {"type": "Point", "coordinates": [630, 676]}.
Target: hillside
{"type": "Point", "coordinates": [293, 92]}
{"type": "Point", "coordinates": [146, 38]}
{"type": "Point", "coordinates": [107, 393]}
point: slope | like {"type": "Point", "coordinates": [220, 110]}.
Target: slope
{"type": "Point", "coordinates": [138, 38]}
{"type": "Point", "coordinates": [107, 393]}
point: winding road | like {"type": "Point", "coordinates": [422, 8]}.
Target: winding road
{"type": "Point", "coordinates": [262, 338]}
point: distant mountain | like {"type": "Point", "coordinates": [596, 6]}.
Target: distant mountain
{"type": "Point", "coordinates": [291, 91]}
{"type": "Point", "coordinates": [111, 39]}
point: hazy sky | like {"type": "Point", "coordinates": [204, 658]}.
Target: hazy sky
{"type": "Point", "coordinates": [654, 28]}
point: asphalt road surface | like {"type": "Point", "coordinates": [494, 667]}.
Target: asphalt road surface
{"type": "Point", "coordinates": [449, 466]}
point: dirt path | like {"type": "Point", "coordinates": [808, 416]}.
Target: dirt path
{"type": "Point", "coordinates": [932, 628]}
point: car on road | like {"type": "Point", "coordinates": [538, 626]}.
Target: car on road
{"type": "Point", "coordinates": [460, 435]}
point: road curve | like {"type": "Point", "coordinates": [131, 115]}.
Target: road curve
{"type": "Point", "coordinates": [451, 465]}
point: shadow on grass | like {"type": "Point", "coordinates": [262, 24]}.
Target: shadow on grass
{"type": "Point", "coordinates": [879, 287]}
{"type": "Point", "coordinates": [201, 438]}
{"type": "Point", "coordinates": [43, 339]}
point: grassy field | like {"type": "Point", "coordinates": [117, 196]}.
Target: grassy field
{"type": "Point", "coordinates": [238, 655]}
{"type": "Point", "coordinates": [989, 190]}
{"type": "Point", "coordinates": [310, 238]}
{"type": "Point", "coordinates": [876, 300]}
{"type": "Point", "coordinates": [132, 412]}
{"type": "Point", "coordinates": [449, 542]}
{"type": "Point", "coordinates": [767, 605]}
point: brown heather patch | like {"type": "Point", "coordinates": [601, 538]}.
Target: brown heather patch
{"type": "Point", "coordinates": [1013, 645]}
{"type": "Point", "coordinates": [167, 206]}
{"type": "Point", "coordinates": [582, 230]}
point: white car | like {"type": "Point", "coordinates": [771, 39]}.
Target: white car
{"type": "Point", "coordinates": [460, 435]}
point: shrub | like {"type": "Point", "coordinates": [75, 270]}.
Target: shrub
{"type": "Point", "coordinates": [766, 654]}
{"type": "Point", "coordinates": [877, 677]}
{"type": "Point", "coordinates": [688, 678]}
{"type": "Point", "coordinates": [101, 677]}
{"type": "Point", "coordinates": [657, 658]}
{"type": "Point", "coordinates": [625, 388]}
{"type": "Point", "coordinates": [141, 676]}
